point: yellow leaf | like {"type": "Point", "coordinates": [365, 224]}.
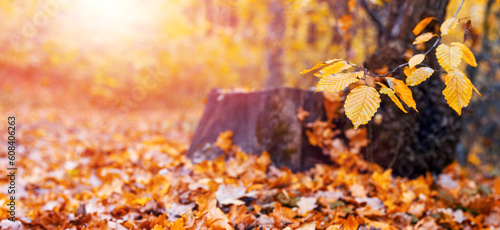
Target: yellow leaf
{"type": "Point", "coordinates": [382, 180]}
{"type": "Point", "coordinates": [467, 55]}
{"type": "Point", "coordinates": [402, 91]}
{"type": "Point", "coordinates": [415, 60]}
{"type": "Point", "coordinates": [392, 95]}
{"type": "Point", "coordinates": [448, 25]}
{"type": "Point", "coordinates": [423, 38]}
{"type": "Point", "coordinates": [225, 140]}
{"type": "Point", "coordinates": [319, 65]}
{"type": "Point", "coordinates": [419, 75]}
{"type": "Point", "coordinates": [458, 90]}
{"type": "Point", "coordinates": [337, 82]}
{"type": "Point", "coordinates": [449, 57]}
{"type": "Point", "coordinates": [473, 159]}
{"type": "Point", "coordinates": [422, 24]}
{"type": "Point", "coordinates": [142, 201]}
{"type": "Point", "coordinates": [408, 71]}
{"type": "Point", "coordinates": [361, 104]}
{"type": "Point", "coordinates": [333, 69]}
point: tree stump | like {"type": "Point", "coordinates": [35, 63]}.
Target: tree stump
{"type": "Point", "coordinates": [261, 121]}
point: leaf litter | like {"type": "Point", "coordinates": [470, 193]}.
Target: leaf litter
{"type": "Point", "coordinates": [96, 172]}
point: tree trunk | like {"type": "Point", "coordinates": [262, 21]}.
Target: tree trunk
{"type": "Point", "coordinates": [413, 143]}
{"type": "Point", "coordinates": [262, 121]}
{"type": "Point", "coordinates": [274, 53]}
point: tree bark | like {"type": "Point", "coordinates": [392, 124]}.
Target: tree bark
{"type": "Point", "coordinates": [413, 143]}
{"type": "Point", "coordinates": [261, 121]}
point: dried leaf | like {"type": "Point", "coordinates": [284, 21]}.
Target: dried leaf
{"type": "Point", "coordinates": [458, 90]}
{"type": "Point", "coordinates": [449, 57]}
{"type": "Point", "coordinates": [467, 55]}
{"type": "Point", "coordinates": [415, 60]}
{"type": "Point", "coordinates": [337, 82]}
{"type": "Point", "coordinates": [424, 38]}
{"type": "Point", "coordinates": [361, 104]}
{"type": "Point", "coordinates": [224, 141]}
{"type": "Point", "coordinates": [392, 95]}
{"type": "Point", "coordinates": [306, 204]}
{"type": "Point", "coordinates": [320, 65]}
{"type": "Point", "coordinates": [402, 91]}
{"type": "Point", "coordinates": [334, 68]}
{"type": "Point", "coordinates": [408, 71]}
{"type": "Point", "coordinates": [421, 25]}
{"type": "Point", "coordinates": [448, 25]}
{"type": "Point", "coordinates": [419, 75]}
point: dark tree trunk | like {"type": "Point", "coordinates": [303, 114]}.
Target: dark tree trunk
{"type": "Point", "coordinates": [417, 142]}
{"type": "Point", "coordinates": [261, 121]}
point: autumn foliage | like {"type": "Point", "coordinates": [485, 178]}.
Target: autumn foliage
{"type": "Point", "coordinates": [140, 178]}
{"type": "Point", "coordinates": [364, 100]}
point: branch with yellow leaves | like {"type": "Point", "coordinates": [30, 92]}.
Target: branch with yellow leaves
{"type": "Point", "coordinates": [364, 100]}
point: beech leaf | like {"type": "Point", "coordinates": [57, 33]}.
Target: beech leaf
{"type": "Point", "coordinates": [422, 24]}
{"type": "Point", "coordinates": [402, 91]}
{"type": "Point", "coordinates": [361, 104]}
{"type": "Point", "coordinates": [467, 55]}
{"type": "Point", "coordinates": [449, 57]}
{"type": "Point", "coordinates": [419, 75]}
{"type": "Point", "coordinates": [337, 82]}
{"type": "Point", "coordinates": [415, 60]}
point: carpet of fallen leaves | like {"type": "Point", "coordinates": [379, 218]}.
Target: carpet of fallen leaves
{"type": "Point", "coordinates": [110, 170]}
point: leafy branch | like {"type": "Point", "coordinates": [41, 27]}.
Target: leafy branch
{"type": "Point", "coordinates": [364, 100]}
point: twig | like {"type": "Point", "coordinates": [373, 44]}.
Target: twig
{"type": "Point", "coordinates": [459, 7]}
{"type": "Point", "coordinates": [433, 46]}
{"type": "Point", "coordinates": [392, 71]}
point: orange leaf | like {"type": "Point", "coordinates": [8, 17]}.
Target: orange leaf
{"type": "Point", "coordinates": [402, 91]}
{"type": "Point", "coordinates": [422, 24]}
{"type": "Point", "coordinates": [467, 55]}
{"type": "Point", "coordinates": [352, 223]}
{"type": "Point", "coordinates": [408, 71]}
{"type": "Point", "coordinates": [224, 141]}
{"type": "Point", "coordinates": [382, 180]}
{"type": "Point", "coordinates": [392, 95]}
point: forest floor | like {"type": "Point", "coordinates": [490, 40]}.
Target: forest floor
{"type": "Point", "coordinates": [94, 169]}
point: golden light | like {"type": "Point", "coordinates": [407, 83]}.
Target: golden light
{"type": "Point", "coordinates": [107, 22]}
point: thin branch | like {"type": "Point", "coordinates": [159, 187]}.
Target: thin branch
{"type": "Point", "coordinates": [405, 64]}
{"type": "Point", "coordinates": [459, 7]}
{"type": "Point", "coordinates": [433, 46]}
{"type": "Point", "coordinates": [392, 71]}
{"type": "Point", "coordinates": [375, 17]}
